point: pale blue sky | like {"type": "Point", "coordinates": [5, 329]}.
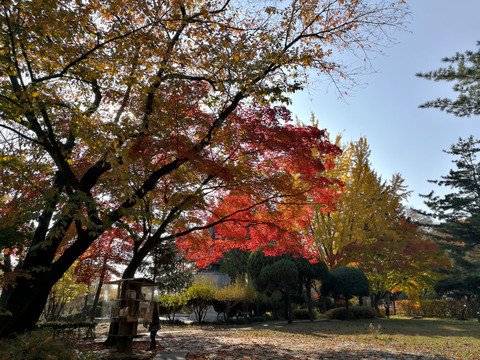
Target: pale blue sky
{"type": "Point", "coordinates": [402, 137]}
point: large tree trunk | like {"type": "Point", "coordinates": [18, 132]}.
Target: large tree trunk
{"type": "Point", "coordinates": [22, 301]}
{"type": "Point", "coordinates": [21, 305]}
{"type": "Point", "coordinates": [375, 298]}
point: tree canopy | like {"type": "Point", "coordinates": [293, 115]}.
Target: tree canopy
{"type": "Point", "coordinates": [368, 206]}
{"type": "Point", "coordinates": [127, 112]}
{"type": "Point", "coordinates": [402, 260]}
{"type": "Point", "coordinates": [346, 282]}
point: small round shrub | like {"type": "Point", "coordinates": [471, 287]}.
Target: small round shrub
{"type": "Point", "coordinates": [356, 312]}
{"type": "Point", "coordinates": [302, 314]}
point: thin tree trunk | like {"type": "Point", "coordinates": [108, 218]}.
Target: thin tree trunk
{"type": "Point", "coordinates": [97, 297]}
{"type": "Point", "coordinates": [309, 302]}
{"type": "Point", "coordinates": [85, 304]}
{"type": "Point", "coordinates": [347, 316]}
{"type": "Point", "coordinates": [289, 307]}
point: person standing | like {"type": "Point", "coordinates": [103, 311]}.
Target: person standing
{"type": "Point", "coordinates": [154, 325]}
{"type": "Point", "coordinates": [387, 310]}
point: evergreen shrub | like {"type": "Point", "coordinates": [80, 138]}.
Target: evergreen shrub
{"type": "Point", "coordinates": [432, 308]}
{"type": "Point", "coordinates": [356, 312]}
{"type": "Point", "coordinates": [302, 314]}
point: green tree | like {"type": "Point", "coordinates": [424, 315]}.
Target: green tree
{"type": "Point", "coordinates": [168, 267]}
{"type": "Point", "coordinates": [310, 275]}
{"type": "Point", "coordinates": [464, 71]}
{"type": "Point", "coordinates": [274, 273]}
{"type": "Point", "coordinates": [235, 263]}
{"type": "Point", "coordinates": [282, 275]}
{"type": "Point", "coordinates": [200, 297]}
{"type": "Point", "coordinates": [63, 292]}
{"type": "Point", "coordinates": [347, 282]}
{"type": "Point", "coordinates": [457, 213]}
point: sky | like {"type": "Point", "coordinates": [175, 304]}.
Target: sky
{"type": "Point", "coordinates": [402, 137]}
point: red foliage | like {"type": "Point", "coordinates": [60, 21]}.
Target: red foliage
{"type": "Point", "coordinates": [274, 177]}
{"type": "Point", "coordinates": [101, 260]}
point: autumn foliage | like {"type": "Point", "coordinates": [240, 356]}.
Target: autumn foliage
{"type": "Point", "coordinates": [123, 112]}
{"type": "Point", "coordinates": [270, 208]}
{"type": "Point", "coordinates": [401, 261]}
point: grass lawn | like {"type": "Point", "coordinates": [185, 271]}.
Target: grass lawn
{"type": "Point", "coordinates": [382, 338]}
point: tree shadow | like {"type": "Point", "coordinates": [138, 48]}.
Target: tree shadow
{"type": "Point", "coordinates": [210, 346]}
{"type": "Point", "coordinates": [407, 327]}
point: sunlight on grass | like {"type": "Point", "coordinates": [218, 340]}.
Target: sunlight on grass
{"type": "Point", "coordinates": [452, 328]}
{"type": "Point", "coordinates": [444, 338]}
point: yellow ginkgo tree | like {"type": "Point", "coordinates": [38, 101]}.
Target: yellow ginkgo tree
{"type": "Point", "coordinates": [368, 206]}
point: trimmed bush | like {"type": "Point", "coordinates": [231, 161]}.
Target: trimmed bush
{"type": "Point", "coordinates": [355, 312]}
{"type": "Point", "coordinates": [302, 314]}
{"type": "Point", "coordinates": [432, 308]}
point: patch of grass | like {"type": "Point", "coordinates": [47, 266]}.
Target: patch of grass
{"type": "Point", "coordinates": [440, 337]}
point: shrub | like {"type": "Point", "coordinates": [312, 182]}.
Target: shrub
{"type": "Point", "coordinates": [431, 308]}
{"type": "Point", "coordinates": [200, 296]}
{"type": "Point", "coordinates": [234, 299]}
{"type": "Point", "coordinates": [302, 314]}
{"type": "Point", "coordinates": [355, 312]}
{"type": "Point", "coordinates": [40, 345]}
{"type": "Point", "coordinates": [170, 304]}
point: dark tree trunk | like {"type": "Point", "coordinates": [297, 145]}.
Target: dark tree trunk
{"type": "Point", "coordinates": [95, 301]}
{"type": "Point", "coordinates": [85, 304]}
{"type": "Point", "coordinates": [288, 305]}
{"type": "Point", "coordinates": [347, 316]}
{"type": "Point", "coordinates": [309, 302]}
{"type": "Point", "coordinates": [375, 297]}
{"type": "Point", "coordinates": [23, 304]}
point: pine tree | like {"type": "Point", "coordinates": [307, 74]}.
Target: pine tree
{"type": "Point", "coordinates": [458, 215]}
{"type": "Point", "coordinates": [464, 70]}
{"type": "Point", "coordinates": [459, 210]}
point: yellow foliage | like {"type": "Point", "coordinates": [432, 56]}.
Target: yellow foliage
{"type": "Point", "coordinates": [368, 205]}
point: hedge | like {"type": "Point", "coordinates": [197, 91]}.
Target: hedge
{"type": "Point", "coordinates": [432, 308]}
{"type": "Point", "coordinates": [356, 312]}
